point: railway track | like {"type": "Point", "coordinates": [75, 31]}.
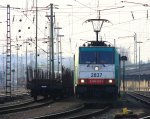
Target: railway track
{"type": "Point", "coordinates": [16, 104]}
{"type": "Point", "coordinates": [147, 94]}
{"type": "Point", "coordinates": [141, 97]}
{"type": "Point", "coordinates": [147, 117]}
{"type": "Point", "coordinates": [30, 104]}
{"type": "Point", "coordinates": [80, 112]}
{"type": "Point", "coordinates": [16, 95]}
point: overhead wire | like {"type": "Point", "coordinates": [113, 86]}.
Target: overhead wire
{"type": "Point", "coordinates": [87, 12]}
{"type": "Point", "coordinates": [81, 4]}
{"type": "Point", "coordinates": [84, 5]}
{"type": "Point", "coordinates": [31, 21]}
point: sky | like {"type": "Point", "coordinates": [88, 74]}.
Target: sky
{"type": "Point", "coordinates": [127, 19]}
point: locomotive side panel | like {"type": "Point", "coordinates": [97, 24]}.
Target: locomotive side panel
{"type": "Point", "coordinates": [117, 70]}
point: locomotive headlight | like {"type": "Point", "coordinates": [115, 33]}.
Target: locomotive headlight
{"type": "Point", "coordinates": [82, 81]}
{"type": "Point", "coordinates": [110, 81]}
{"type": "Point", "coordinates": [96, 68]}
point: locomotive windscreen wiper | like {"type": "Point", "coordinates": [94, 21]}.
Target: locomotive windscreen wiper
{"type": "Point", "coordinates": [103, 63]}
{"type": "Point", "coordinates": [89, 63]}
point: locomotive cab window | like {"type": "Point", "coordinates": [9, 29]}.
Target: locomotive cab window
{"type": "Point", "coordinates": [87, 57]}
{"type": "Point", "coordinates": [105, 57]}
{"type": "Point", "coordinates": [96, 57]}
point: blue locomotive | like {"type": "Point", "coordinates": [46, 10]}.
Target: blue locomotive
{"type": "Point", "coordinates": [97, 70]}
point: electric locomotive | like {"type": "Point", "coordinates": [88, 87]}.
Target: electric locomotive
{"type": "Point", "coordinates": [97, 70]}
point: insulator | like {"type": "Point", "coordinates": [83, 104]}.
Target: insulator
{"type": "Point", "coordinates": [13, 18]}
{"type": "Point", "coordinates": [33, 19]}
{"type": "Point", "coordinates": [89, 44]}
{"type": "Point", "coordinates": [20, 20]}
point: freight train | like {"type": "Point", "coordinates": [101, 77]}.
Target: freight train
{"type": "Point", "coordinates": [97, 70]}
{"type": "Point", "coordinates": [42, 85]}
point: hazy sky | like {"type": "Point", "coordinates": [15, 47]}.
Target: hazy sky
{"type": "Point", "coordinates": [127, 18]}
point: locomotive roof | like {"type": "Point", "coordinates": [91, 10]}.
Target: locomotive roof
{"type": "Point", "coordinates": [97, 43]}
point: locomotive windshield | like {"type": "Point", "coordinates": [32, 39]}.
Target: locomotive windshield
{"type": "Point", "coordinates": [88, 57]}
{"type": "Point", "coordinates": [96, 57]}
{"type": "Point", "coordinates": [105, 57]}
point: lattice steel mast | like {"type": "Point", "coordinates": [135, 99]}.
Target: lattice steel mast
{"type": "Point", "coordinates": [8, 55]}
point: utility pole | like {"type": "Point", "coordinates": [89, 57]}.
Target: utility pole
{"type": "Point", "coordinates": [49, 56]}
{"type": "Point", "coordinates": [13, 71]}
{"type": "Point", "coordinates": [8, 55]}
{"type": "Point", "coordinates": [58, 48]}
{"type": "Point", "coordinates": [135, 49]}
{"type": "Point", "coordinates": [26, 60]}
{"type": "Point", "coordinates": [17, 65]}
{"type": "Point", "coordinates": [51, 43]}
{"type": "Point", "coordinates": [26, 69]}
{"type": "Point", "coordinates": [61, 54]}
{"type": "Point", "coordinates": [17, 48]}
{"type": "Point", "coordinates": [135, 55]}
{"type": "Point", "coordinates": [3, 75]}
{"type": "Point", "coordinates": [139, 65]}
{"type": "Point", "coordinates": [124, 58]}
{"type": "Point", "coordinates": [52, 40]}
{"type": "Point", "coordinates": [36, 40]}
